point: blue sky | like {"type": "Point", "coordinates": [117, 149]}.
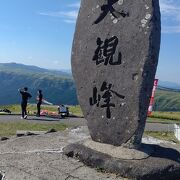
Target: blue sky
{"type": "Point", "coordinates": [40, 32]}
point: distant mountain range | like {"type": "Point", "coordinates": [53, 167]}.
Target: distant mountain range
{"type": "Point", "coordinates": [26, 69]}
{"type": "Point", "coordinates": [169, 85]}
{"type": "Point", "coordinates": [59, 88]}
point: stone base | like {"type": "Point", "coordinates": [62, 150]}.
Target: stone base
{"type": "Point", "coordinates": [150, 162]}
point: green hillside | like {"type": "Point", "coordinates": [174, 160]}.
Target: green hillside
{"type": "Point", "coordinates": [58, 87]}
{"type": "Point", "coordinates": [167, 100]}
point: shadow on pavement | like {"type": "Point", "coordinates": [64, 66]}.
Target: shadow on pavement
{"type": "Point", "coordinates": [44, 119]}
{"type": "Point", "coordinates": [164, 152]}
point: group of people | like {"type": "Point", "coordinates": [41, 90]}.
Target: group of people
{"type": "Point", "coordinates": [25, 96]}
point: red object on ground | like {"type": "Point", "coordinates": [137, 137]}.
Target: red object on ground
{"type": "Point", "coordinates": [46, 112]}
{"type": "Point", "coordinates": [152, 97]}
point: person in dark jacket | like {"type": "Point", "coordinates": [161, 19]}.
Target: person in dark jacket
{"type": "Point", "coordinates": [25, 96]}
{"type": "Point", "coordinates": [39, 102]}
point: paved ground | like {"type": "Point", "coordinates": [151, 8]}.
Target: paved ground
{"type": "Point", "coordinates": [40, 157]}
{"type": "Point", "coordinates": [79, 122]}
{"type": "Point", "coordinates": [159, 127]}
{"type": "Point", "coordinates": [70, 121]}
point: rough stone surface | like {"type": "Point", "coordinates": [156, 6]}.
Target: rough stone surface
{"type": "Point", "coordinates": [20, 133]}
{"type": "Point", "coordinates": [162, 164]}
{"type": "Point", "coordinates": [119, 151]}
{"type": "Point", "coordinates": [114, 59]}
{"type": "Point", "coordinates": [40, 158]}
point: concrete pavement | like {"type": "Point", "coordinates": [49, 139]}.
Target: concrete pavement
{"type": "Point", "coordinates": [40, 158]}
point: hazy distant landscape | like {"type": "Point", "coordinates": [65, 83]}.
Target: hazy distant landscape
{"type": "Point", "coordinates": [167, 100]}
{"type": "Point", "coordinates": [59, 88]}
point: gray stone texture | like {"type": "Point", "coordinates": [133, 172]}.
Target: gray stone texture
{"type": "Point", "coordinates": [40, 158]}
{"type": "Point", "coordinates": [162, 164]}
{"type": "Point", "coordinates": [137, 28]}
{"type": "Point", "coordinates": [119, 151]}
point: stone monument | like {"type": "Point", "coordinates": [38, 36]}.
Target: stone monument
{"type": "Point", "coordinates": [114, 60]}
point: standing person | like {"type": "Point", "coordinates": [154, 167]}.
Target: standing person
{"type": "Point", "coordinates": [25, 96]}
{"type": "Point", "coordinates": [39, 102]}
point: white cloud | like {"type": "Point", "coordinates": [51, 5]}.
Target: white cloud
{"type": "Point", "coordinates": [170, 29]}
{"type": "Point", "coordinates": [68, 17]}
{"type": "Point", "coordinates": [170, 8]}
{"type": "Point", "coordinates": [68, 14]}
{"type": "Point", "coordinates": [69, 21]}
{"type": "Point", "coordinates": [75, 5]}
{"type": "Point", "coordinates": [170, 11]}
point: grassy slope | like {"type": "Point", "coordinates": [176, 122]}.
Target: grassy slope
{"type": "Point", "coordinates": [167, 101]}
{"type": "Point", "coordinates": [77, 110]}
{"type": "Point", "coordinates": [10, 128]}
{"type": "Point", "coordinates": [16, 108]}
{"type": "Point", "coordinates": [166, 115]}
{"type": "Point", "coordinates": [59, 87]}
